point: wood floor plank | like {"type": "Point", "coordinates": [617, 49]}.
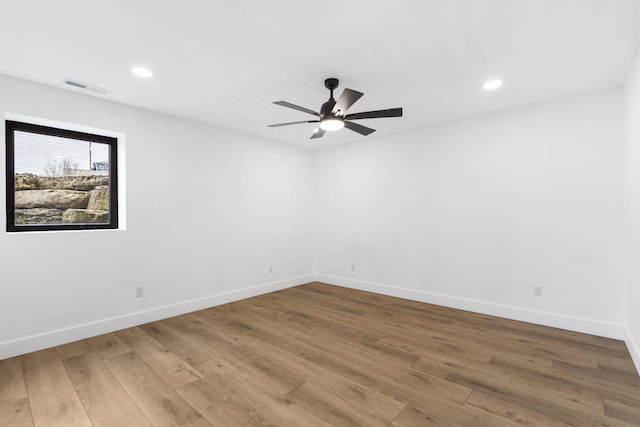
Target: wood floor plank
{"type": "Point", "coordinates": [107, 345]}
{"type": "Point", "coordinates": [217, 405]}
{"type": "Point", "coordinates": [373, 350]}
{"type": "Point", "coordinates": [16, 413]}
{"type": "Point", "coordinates": [364, 398]}
{"type": "Point", "coordinates": [408, 385]}
{"type": "Point", "coordinates": [324, 355]}
{"type": "Point", "coordinates": [52, 398]}
{"type": "Point", "coordinates": [155, 398]}
{"type": "Point", "coordinates": [609, 386]}
{"type": "Point", "coordinates": [332, 409]}
{"type": "Point", "coordinates": [412, 416]}
{"type": "Point", "coordinates": [542, 376]}
{"type": "Point", "coordinates": [433, 413]}
{"type": "Point", "coordinates": [622, 412]}
{"type": "Point", "coordinates": [601, 383]}
{"type": "Point", "coordinates": [197, 333]}
{"type": "Point", "coordinates": [533, 348]}
{"type": "Point", "coordinates": [398, 381]}
{"type": "Point", "coordinates": [177, 343]}
{"type": "Point", "coordinates": [618, 367]}
{"type": "Point", "coordinates": [497, 341]}
{"type": "Point", "coordinates": [354, 306]}
{"type": "Point", "coordinates": [510, 412]}
{"type": "Point", "coordinates": [581, 407]}
{"type": "Point", "coordinates": [483, 338]}
{"type": "Point", "coordinates": [613, 344]}
{"type": "Point", "coordinates": [263, 370]}
{"type": "Point", "coordinates": [76, 348]}
{"type": "Point", "coordinates": [234, 335]}
{"type": "Point", "coordinates": [106, 402]}
{"type": "Point", "coordinates": [425, 332]}
{"type": "Point", "coordinates": [257, 322]}
{"type": "Point", "coordinates": [173, 370]}
{"type": "Point", "coordinates": [12, 386]}
{"type": "Point", "coordinates": [253, 397]}
{"type": "Point", "coordinates": [447, 346]}
{"type": "Point", "coordinates": [14, 404]}
{"type": "Point", "coordinates": [279, 337]}
{"type": "Point", "coordinates": [331, 321]}
{"type": "Point", "coordinates": [603, 377]}
{"type": "Point", "coordinates": [533, 363]}
{"type": "Point", "coordinates": [531, 342]}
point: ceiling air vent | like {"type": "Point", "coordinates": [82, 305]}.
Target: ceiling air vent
{"type": "Point", "coordinates": [86, 86]}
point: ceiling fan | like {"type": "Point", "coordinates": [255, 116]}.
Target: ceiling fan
{"type": "Point", "coordinates": [332, 115]}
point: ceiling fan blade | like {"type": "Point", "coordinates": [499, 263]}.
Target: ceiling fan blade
{"type": "Point", "coordinates": [318, 134]}
{"type": "Point", "coordinates": [391, 112]}
{"type": "Point", "coordinates": [292, 123]}
{"type": "Point", "coordinates": [296, 107]}
{"type": "Point", "coordinates": [346, 100]}
{"type": "Point", "coordinates": [362, 130]}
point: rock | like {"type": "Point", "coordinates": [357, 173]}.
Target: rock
{"type": "Point", "coordinates": [38, 216]}
{"type": "Point", "coordinates": [56, 199]}
{"type": "Point", "coordinates": [85, 216]}
{"type": "Point", "coordinates": [25, 181]}
{"type": "Point", "coordinates": [99, 198]}
{"type": "Point", "coordinates": [72, 182]}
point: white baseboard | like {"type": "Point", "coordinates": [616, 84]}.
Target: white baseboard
{"type": "Point", "coordinates": [634, 350]}
{"type": "Point", "coordinates": [588, 326]}
{"type": "Point", "coordinates": [62, 336]}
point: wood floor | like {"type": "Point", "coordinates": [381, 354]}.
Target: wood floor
{"type": "Point", "coordinates": [319, 355]}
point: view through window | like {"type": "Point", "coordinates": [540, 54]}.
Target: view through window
{"type": "Point", "coordinates": [59, 179]}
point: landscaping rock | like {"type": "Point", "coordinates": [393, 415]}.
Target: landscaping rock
{"type": "Point", "coordinates": [25, 181]}
{"type": "Point", "coordinates": [72, 182]}
{"type": "Point", "coordinates": [54, 199]}
{"type": "Point", "coordinates": [39, 216]}
{"type": "Point", "coordinates": [99, 198]}
{"type": "Point", "coordinates": [85, 216]}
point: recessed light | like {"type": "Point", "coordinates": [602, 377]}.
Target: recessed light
{"type": "Point", "coordinates": [142, 72]}
{"type": "Point", "coordinates": [492, 84]}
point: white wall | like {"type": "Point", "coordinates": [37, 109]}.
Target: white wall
{"type": "Point", "coordinates": [632, 128]}
{"type": "Point", "coordinates": [207, 211]}
{"type": "Point", "coordinates": [473, 214]}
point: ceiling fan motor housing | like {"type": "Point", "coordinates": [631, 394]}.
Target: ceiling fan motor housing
{"type": "Point", "coordinates": [326, 108]}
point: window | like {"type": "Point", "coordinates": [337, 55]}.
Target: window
{"type": "Point", "coordinates": [59, 179]}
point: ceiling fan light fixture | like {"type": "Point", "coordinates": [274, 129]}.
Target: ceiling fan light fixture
{"type": "Point", "coordinates": [331, 124]}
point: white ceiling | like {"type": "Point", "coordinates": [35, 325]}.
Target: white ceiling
{"type": "Point", "coordinates": [224, 62]}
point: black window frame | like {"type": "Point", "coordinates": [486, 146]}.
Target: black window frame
{"type": "Point", "coordinates": [11, 127]}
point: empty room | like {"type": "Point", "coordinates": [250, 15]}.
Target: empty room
{"type": "Point", "coordinates": [359, 213]}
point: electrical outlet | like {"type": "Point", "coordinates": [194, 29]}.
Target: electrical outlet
{"type": "Point", "coordinates": [537, 291]}
{"type": "Point", "coordinates": [139, 291]}
{"type": "Point", "coordinates": [353, 266]}
{"type": "Point", "coordinates": [270, 269]}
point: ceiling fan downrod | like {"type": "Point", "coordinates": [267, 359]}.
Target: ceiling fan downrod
{"type": "Point", "coordinates": [331, 84]}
